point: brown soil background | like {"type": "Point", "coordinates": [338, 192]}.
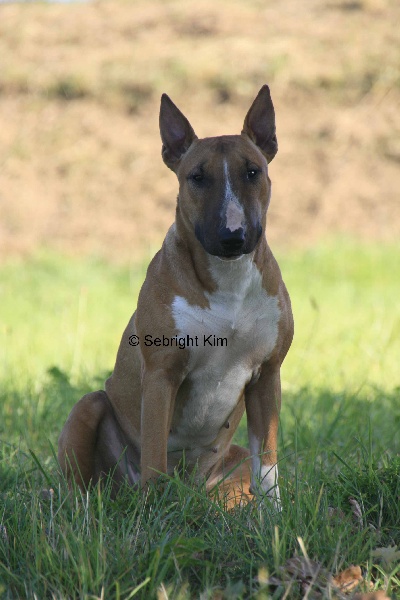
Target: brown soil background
{"type": "Point", "coordinates": [80, 163]}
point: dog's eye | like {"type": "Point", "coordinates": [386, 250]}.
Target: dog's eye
{"type": "Point", "coordinates": [251, 173]}
{"type": "Point", "coordinates": [198, 177]}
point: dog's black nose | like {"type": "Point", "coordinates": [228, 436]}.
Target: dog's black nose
{"type": "Point", "coordinates": [232, 241]}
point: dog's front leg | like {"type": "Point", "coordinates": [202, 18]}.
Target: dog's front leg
{"type": "Point", "coordinates": [263, 401]}
{"type": "Point", "coordinates": [158, 401]}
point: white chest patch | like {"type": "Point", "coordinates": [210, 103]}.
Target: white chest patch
{"type": "Point", "coordinates": [233, 337]}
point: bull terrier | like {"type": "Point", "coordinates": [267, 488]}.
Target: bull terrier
{"type": "Point", "coordinates": [212, 327]}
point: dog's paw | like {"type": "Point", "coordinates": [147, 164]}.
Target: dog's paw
{"type": "Point", "coordinates": [266, 489]}
{"type": "Point", "coordinates": [272, 497]}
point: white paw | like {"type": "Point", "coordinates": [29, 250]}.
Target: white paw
{"type": "Point", "coordinates": [266, 486]}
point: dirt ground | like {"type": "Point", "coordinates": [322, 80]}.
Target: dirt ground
{"type": "Point", "coordinates": [80, 163]}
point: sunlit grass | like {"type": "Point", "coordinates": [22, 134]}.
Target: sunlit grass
{"type": "Point", "coordinates": [71, 313]}
{"type": "Point", "coordinates": [347, 316]}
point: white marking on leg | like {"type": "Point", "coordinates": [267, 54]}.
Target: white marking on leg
{"type": "Point", "coordinates": [264, 478]}
{"type": "Point", "coordinates": [269, 483]}
{"type": "Point", "coordinates": [234, 213]}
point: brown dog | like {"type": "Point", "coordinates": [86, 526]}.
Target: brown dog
{"type": "Point", "coordinates": [212, 327]}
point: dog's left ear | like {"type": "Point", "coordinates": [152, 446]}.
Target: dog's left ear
{"type": "Point", "coordinates": [259, 124]}
{"type": "Point", "coordinates": [177, 134]}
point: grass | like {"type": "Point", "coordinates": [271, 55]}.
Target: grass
{"type": "Point", "coordinates": [61, 321]}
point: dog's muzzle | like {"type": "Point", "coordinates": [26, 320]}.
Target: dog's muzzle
{"type": "Point", "coordinates": [229, 244]}
{"type": "Point", "coordinates": [232, 242]}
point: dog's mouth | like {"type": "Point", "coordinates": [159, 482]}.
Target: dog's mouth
{"type": "Point", "coordinates": [231, 258]}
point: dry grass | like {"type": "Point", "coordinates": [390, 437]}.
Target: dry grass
{"type": "Point", "coordinates": [80, 166]}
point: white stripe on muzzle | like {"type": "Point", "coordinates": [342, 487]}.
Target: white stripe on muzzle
{"type": "Point", "coordinates": [234, 213]}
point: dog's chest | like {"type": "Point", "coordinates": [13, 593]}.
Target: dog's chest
{"type": "Point", "coordinates": [230, 339]}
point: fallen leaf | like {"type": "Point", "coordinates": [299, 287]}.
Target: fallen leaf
{"type": "Point", "coordinates": [348, 579]}
{"type": "Point", "coordinates": [388, 555]}
{"type": "Point", "coordinates": [315, 581]}
{"type": "Point", "coordinates": [379, 595]}
{"type": "Point", "coordinates": [302, 567]}
{"type": "Point", "coordinates": [309, 574]}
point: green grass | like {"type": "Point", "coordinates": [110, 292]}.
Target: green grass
{"type": "Point", "coordinates": [60, 324]}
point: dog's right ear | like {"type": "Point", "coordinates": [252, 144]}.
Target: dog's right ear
{"type": "Point", "coordinates": [177, 134]}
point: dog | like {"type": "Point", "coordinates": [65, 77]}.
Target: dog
{"type": "Point", "coordinates": [212, 327]}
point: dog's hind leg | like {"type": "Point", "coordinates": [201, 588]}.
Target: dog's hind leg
{"type": "Point", "coordinates": [92, 444]}
{"type": "Point", "coordinates": [232, 477]}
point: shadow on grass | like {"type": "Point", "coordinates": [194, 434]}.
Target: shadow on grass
{"type": "Point", "coordinates": [31, 418]}
{"type": "Point", "coordinates": [334, 447]}
{"type": "Point", "coordinates": [349, 445]}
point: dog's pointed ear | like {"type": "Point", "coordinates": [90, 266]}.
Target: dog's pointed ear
{"type": "Point", "coordinates": [177, 134]}
{"type": "Point", "coordinates": [259, 124]}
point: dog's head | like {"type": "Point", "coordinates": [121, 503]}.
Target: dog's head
{"type": "Point", "coordinates": [224, 188]}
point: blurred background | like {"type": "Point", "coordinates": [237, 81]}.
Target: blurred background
{"type": "Point", "coordinates": [80, 83]}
